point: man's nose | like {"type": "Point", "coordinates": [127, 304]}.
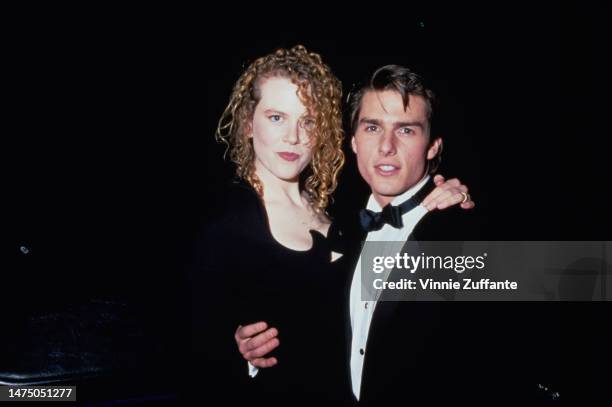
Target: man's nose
{"type": "Point", "coordinates": [387, 144]}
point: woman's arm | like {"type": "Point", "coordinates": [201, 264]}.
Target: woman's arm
{"type": "Point", "coordinates": [448, 193]}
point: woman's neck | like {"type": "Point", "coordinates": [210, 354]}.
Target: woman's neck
{"type": "Point", "coordinates": [278, 190]}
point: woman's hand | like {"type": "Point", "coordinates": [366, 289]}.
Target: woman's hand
{"type": "Point", "coordinates": [447, 194]}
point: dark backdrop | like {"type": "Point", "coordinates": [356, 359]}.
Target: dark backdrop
{"type": "Point", "coordinates": [111, 159]}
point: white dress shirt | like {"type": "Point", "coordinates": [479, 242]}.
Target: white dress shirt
{"type": "Point", "coordinates": [361, 311]}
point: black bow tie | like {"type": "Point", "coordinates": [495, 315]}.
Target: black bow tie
{"type": "Point", "coordinates": [392, 215]}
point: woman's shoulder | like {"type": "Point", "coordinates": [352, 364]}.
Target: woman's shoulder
{"type": "Point", "coordinates": [239, 196]}
{"type": "Point", "coordinates": [237, 208]}
{"type": "Point", "coordinates": [229, 231]}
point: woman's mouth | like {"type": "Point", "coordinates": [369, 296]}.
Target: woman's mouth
{"type": "Point", "coordinates": [288, 156]}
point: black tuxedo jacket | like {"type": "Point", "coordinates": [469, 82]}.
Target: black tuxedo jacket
{"type": "Point", "coordinates": [437, 352]}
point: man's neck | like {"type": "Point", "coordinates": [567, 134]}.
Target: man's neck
{"type": "Point", "coordinates": [383, 200]}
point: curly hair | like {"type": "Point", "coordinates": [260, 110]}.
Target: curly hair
{"type": "Point", "coordinates": [320, 92]}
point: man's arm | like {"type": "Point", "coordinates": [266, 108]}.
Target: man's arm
{"type": "Point", "coordinates": [255, 341]}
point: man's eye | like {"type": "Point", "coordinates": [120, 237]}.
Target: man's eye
{"type": "Point", "coordinates": [371, 128]}
{"type": "Point", "coordinates": [406, 130]}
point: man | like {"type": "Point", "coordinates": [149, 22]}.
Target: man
{"type": "Point", "coordinates": [403, 351]}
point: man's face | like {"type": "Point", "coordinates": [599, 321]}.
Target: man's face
{"type": "Point", "coordinates": [392, 144]}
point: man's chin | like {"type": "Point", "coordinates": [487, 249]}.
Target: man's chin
{"type": "Point", "coordinates": [389, 192]}
{"type": "Point", "coordinates": [390, 189]}
{"type": "Point", "coordinates": [386, 196]}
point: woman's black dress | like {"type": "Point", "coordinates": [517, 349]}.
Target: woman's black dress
{"type": "Point", "coordinates": [243, 275]}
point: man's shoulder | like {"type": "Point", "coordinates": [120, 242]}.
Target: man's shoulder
{"type": "Point", "coordinates": [452, 223]}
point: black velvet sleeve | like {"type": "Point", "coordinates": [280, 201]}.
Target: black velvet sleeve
{"type": "Point", "coordinates": [217, 367]}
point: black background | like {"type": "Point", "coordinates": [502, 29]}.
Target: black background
{"type": "Point", "coordinates": [110, 125]}
{"type": "Point", "coordinates": [110, 154]}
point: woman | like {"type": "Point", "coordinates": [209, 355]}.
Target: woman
{"type": "Point", "coordinates": [269, 256]}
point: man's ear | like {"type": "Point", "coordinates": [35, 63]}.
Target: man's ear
{"type": "Point", "coordinates": [353, 145]}
{"type": "Point", "coordinates": [435, 148]}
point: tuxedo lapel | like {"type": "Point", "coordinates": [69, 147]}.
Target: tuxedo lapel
{"type": "Point", "coordinates": [386, 307]}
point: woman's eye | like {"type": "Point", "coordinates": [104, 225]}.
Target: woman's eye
{"type": "Point", "coordinates": [275, 118]}
{"type": "Point", "coordinates": [308, 124]}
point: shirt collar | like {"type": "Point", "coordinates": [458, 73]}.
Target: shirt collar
{"type": "Point", "coordinates": [373, 204]}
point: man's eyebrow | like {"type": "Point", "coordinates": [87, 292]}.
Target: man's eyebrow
{"type": "Point", "coordinates": [395, 125]}
{"type": "Point", "coordinates": [409, 124]}
{"type": "Point", "coordinates": [369, 121]}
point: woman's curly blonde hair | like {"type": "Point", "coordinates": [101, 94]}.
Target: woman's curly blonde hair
{"type": "Point", "coordinates": [320, 92]}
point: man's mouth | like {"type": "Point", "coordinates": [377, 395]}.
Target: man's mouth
{"type": "Point", "coordinates": [386, 169]}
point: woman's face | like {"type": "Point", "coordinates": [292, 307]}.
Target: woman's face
{"type": "Point", "coordinates": [281, 130]}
